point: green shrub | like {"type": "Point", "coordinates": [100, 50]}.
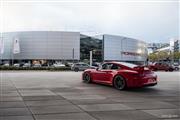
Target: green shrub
{"type": "Point", "coordinates": [60, 69]}
{"type": "Point", "coordinates": [35, 68]}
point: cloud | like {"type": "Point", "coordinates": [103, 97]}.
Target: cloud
{"type": "Point", "coordinates": [149, 21]}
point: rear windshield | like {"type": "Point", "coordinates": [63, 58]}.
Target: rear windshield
{"type": "Point", "coordinates": [128, 64]}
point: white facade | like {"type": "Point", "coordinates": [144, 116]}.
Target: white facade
{"type": "Point", "coordinates": [124, 49]}
{"type": "Point", "coordinates": [53, 45]}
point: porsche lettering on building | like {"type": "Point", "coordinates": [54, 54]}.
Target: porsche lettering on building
{"type": "Point", "coordinates": [131, 53]}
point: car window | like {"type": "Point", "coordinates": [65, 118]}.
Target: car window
{"type": "Point", "coordinates": [158, 64]}
{"type": "Point", "coordinates": [77, 64]}
{"type": "Point", "coordinates": [85, 65]}
{"type": "Point", "coordinates": [115, 67]}
{"type": "Point", "coordinates": [108, 66]}
{"type": "Point", "coordinates": [104, 66]}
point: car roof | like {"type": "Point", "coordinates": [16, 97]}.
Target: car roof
{"type": "Point", "coordinates": [80, 63]}
{"type": "Point", "coordinates": [130, 65]}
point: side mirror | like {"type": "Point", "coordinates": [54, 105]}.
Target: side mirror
{"type": "Point", "coordinates": [97, 68]}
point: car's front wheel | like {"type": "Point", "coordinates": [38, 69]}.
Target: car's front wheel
{"type": "Point", "coordinates": [119, 82]}
{"type": "Point", "coordinates": [87, 78]}
{"type": "Point", "coordinates": [76, 69]}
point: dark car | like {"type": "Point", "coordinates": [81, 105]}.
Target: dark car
{"type": "Point", "coordinates": [121, 75]}
{"type": "Point", "coordinates": [161, 66]}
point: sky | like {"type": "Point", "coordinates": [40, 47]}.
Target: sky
{"type": "Point", "coordinates": [148, 20]}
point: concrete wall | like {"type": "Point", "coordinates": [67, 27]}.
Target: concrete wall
{"type": "Point", "coordinates": [43, 45]}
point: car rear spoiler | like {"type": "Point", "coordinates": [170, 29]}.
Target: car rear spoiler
{"type": "Point", "coordinates": [141, 68]}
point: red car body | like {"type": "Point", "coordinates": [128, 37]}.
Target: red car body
{"type": "Point", "coordinates": [132, 75]}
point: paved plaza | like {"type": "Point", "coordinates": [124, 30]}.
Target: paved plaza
{"type": "Point", "coordinates": [43, 95]}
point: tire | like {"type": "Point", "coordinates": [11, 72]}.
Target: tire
{"type": "Point", "coordinates": [171, 70]}
{"type": "Point", "coordinates": [87, 78]}
{"type": "Point", "coordinates": [76, 69]}
{"type": "Point", "coordinates": [119, 82]}
{"type": "Point", "coordinates": [176, 69]}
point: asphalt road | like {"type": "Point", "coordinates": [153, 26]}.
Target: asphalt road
{"type": "Point", "coordinates": [32, 95]}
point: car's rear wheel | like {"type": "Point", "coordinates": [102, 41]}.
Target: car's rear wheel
{"type": "Point", "coordinates": [170, 69]}
{"type": "Point", "coordinates": [176, 68]}
{"type": "Point", "coordinates": [119, 82]}
{"type": "Point", "coordinates": [87, 78]}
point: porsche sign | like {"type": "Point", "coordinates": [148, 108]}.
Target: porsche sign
{"type": "Point", "coordinates": [131, 53]}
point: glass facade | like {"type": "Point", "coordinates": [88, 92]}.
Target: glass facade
{"type": "Point", "coordinates": [88, 44]}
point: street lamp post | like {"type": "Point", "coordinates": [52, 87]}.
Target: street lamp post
{"type": "Point", "coordinates": [90, 58]}
{"type": "Point", "coordinates": [73, 54]}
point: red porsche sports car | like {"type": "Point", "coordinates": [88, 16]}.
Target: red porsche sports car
{"type": "Point", "coordinates": [121, 75]}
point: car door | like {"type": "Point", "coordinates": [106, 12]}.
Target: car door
{"type": "Point", "coordinates": [166, 66]}
{"type": "Point", "coordinates": [162, 66]}
{"type": "Point", "coordinates": [158, 66]}
{"type": "Point", "coordinates": [85, 66]}
{"type": "Point", "coordinates": [103, 74]}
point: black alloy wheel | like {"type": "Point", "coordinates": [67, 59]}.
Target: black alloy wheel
{"type": "Point", "coordinates": [171, 69]}
{"type": "Point", "coordinates": [87, 78]}
{"type": "Point", "coordinates": [119, 82]}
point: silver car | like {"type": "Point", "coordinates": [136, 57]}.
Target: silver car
{"type": "Point", "coordinates": [176, 66]}
{"type": "Point", "coordinates": [81, 66]}
{"type": "Point", "coordinates": [26, 65]}
{"type": "Point", "coordinates": [16, 65]}
{"type": "Point", "coordinates": [37, 65]}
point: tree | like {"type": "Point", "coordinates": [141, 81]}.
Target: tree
{"type": "Point", "coordinates": [153, 57]}
{"type": "Point", "coordinates": [162, 55]}
{"type": "Point", "coordinates": [176, 55]}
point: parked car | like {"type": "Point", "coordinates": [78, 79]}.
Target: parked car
{"type": "Point", "coordinates": [37, 65]}
{"type": "Point", "coordinates": [121, 75]}
{"type": "Point", "coordinates": [6, 65]}
{"type": "Point", "coordinates": [16, 65]}
{"type": "Point", "coordinates": [96, 64]}
{"type": "Point", "coordinates": [161, 66]}
{"type": "Point", "coordinates": [58, 65]}
{"type": "Point", "coordinates": [176, 66]}
{"type": "Point", "coordinates": [26, 65]}
{"type": "Point", "coordinates": [81, 66]}
{"type": "Point", "coordinates": [69, 64]}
